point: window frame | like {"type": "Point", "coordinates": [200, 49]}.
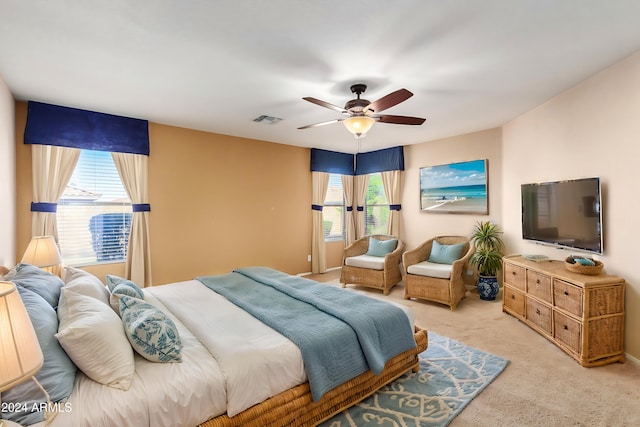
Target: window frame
{"type": "Point", "coordinates": [380, 229]}
{"type": "Point", "coordinates": [335, 237]}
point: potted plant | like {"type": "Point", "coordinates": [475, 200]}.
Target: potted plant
{"type": "Point", "coordinates": [487, 258]}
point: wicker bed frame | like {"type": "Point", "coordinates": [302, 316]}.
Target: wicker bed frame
{"type": "Point", "coordinates": [295, 407]}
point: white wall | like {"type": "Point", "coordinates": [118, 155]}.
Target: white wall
{"type": "Point", "coordinates": [7, 177]}
{"type": "Point", "coordinates": [590, 130]}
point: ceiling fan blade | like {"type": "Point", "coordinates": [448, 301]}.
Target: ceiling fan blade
{"type": "Point", "coordinates": [400, 120]}
{"type": "Point", "coordinates": [320, 124]}
{"type": "Point", "coordinates": [325, 104]}
{"type": "Point", "coordinates": [388, 101]}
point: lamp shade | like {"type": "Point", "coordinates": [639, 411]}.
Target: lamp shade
{"type": "Point", "coordinates": [42, 252]}
{"type": "Point", "coordinates": [20, 353]}
{"type": "Point", "coordinates": [358, 125]}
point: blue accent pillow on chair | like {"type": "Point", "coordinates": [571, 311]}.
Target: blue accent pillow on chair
{"type": "Point", "coordinates": [445, 254]}
{"type": "Point", "coordinates": [381, 247]}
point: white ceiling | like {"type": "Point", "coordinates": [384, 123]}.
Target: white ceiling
{"type": "Point", "coordinates": [216, 65]}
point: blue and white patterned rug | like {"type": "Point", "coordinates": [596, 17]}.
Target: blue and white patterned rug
{"type": "Point", "coordinates": [451, 375]}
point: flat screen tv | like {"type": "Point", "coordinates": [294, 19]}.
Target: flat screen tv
{"type": "Point", "coordinates": [565, 214]}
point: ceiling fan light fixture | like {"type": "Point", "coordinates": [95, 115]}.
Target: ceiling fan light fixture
{"type": "Point", "coordinates": [358, 125]}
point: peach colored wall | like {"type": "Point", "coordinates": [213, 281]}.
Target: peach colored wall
{"type": "Point", "coordinates": [418, 226]}
{"type": "Point", "coordinates": [590, 130]}
{"type": "Point", "coordinates": [7, 177]}
{"type": "Point", "coordinates": [218, 202]}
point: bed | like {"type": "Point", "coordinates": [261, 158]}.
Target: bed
{"type": "Point", "coordinates": [230, 369]}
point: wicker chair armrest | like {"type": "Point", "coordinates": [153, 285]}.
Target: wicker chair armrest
{"type": "Point", "coordinates": [358, 247]}
{"type": "Point", "coordinates": [459, 264]}
{"type": "Point", "coordinates": [392, 259]}
{"type": "Point", "coordinates": [419, 254]}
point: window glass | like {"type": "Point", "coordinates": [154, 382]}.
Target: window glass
{"type": "Point", "coordinates": [333, 209]}
{"type": "Point", "coordinates": [376, 207]}
{"type": "Point", "coordinates": [94, 213]}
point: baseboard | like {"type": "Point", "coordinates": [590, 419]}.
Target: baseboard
{"type": "Point", "coordinates": [632, 359]}
{"type": "Point", "coordinates": [328, 270]}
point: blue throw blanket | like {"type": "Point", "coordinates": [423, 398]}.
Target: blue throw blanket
{"type": "Point", "coordinates": [340, 334]}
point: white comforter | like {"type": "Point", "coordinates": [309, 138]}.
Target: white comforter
{"type": "Point", "coordinates": [231, 361]}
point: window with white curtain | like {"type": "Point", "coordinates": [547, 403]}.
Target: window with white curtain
{"type": "Point", "coordinates": [376, 207]}
{"type": "Point", "coordinates": [333, 211]}
{"type": "Point", "coordinates": [94, 213]}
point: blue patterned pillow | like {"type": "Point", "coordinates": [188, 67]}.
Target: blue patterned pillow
{"type": "Point", "coordinates": [113, 281]}
{"type": "Point", "coordinates": [118, 291]}
{"type": "Point", "coordinates": [151, 332]}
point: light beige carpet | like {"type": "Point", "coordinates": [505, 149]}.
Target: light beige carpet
{"type": "Point", "coordinates": [542, 386]}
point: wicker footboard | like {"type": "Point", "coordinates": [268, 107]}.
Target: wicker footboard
{"type": "Point", "coordinates": [295, 407]}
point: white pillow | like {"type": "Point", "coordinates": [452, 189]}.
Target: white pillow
{"type": "Point", "coordinates": [92, 335]}
{"type": "Point", "coordinates": [85, 283]}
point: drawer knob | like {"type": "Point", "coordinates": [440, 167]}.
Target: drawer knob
{"type": "Point", "coordinates": [513, 297]}
{"type": "Point", "coordinates": [537, 311]}
{"type": "Point", "coordinates": [537, 281]}
{"type": "Point", "coordinates": [566, 293]}
{"type": "Point", "coordinates": [513, 272]}
{"type": "Point", "coordinates": [565, 327]}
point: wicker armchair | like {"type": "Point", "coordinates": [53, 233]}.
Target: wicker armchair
{"type": "Point", "coordinates": [436, 282]}
{"type": "Point", "coordinates": [385, 275]}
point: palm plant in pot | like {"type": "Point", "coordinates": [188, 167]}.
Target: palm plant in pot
{"type": "Point", "coordinates": [487, 258]}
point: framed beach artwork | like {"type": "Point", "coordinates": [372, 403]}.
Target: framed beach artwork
{"type": "Point", "coordinates": [455, 188]}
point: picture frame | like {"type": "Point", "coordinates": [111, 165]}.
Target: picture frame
{"type": "Point", "coordinates": [460, 188]}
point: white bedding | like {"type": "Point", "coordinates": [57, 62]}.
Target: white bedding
{"type": "Point", "coordinates": [162, 394]}
{"type": "Point", "coordinates": [231, 361]}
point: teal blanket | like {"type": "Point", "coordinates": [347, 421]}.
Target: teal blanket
{"type": "Point", "coordinates": [340, 334]}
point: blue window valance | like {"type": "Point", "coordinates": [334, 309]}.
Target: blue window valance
{"type": "Point", "coordinates": [389, 159]}
{"type": "Point", "coordinates": [71, 127]}
{"type": "Point", "coordinates": [331, 162]}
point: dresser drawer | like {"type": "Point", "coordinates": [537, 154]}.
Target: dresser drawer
{"type": "Point", "coordinates": [539, 314]}
{"type": "Point", "coordinates": [539, 285]}
{"type": "Point", "coordinates": [515, 276]}
{"type": "Point", "coordinates": [567, 297]}
{"type": "Point", "coordinates": [513, 300]}
{"type": "Point", "coordinates": [567, 331]}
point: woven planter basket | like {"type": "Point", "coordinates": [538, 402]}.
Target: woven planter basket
{"type": "Point", "coordinates": [591, 270]}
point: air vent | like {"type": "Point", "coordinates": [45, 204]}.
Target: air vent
{"type": "Point", "coordinates": [270, 120]}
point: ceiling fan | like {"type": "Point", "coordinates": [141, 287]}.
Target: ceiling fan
{"type": "Point", "coordinates": [362, 114]}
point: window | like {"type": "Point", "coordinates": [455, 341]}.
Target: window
{"type": "Point", "coordinates": [376, 207]}
{"type": "Point", "coordinates": [94, 213]}
{"type": "Point", "coordinates": [333, 209]}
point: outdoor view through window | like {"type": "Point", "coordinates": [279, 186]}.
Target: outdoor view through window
{"type": "Point", "coordinates": [94, 213]}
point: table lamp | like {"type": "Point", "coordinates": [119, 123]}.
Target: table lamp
{"type": "Point", "coordinates": [42, 252]}
{"type": "Point", "coordinates": [20, 353]}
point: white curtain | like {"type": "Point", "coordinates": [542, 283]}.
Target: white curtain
{"type": "Point", "coordinates": [349, 225]}
{"type": "Point", "coordinates": [360, 194]}
{"type": "Point", "coordinates": [392, 189]}
{"type": "Point", "coordinates": [52, 168]}
{"type": "Point", "coordinates": [320, 182]}
{"type": "Point", "coordinates": [133, 170]}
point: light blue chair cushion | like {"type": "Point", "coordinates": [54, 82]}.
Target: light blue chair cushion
{"type": "Point", "coordinates": [151, 332]}
{"type": "Point", "coordinates": [445, 254]}
{"type": "Point", "coordinates": [35, 279]}
{"type": "Point", "coordinates": [381, 248]}
{"type": "Point", "coordinates": [57, 373]}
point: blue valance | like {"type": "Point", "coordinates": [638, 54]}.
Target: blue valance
{"type": "Point", "coordinates": [331, 162]}
{"type": "Point", "coordinates": [389, 159]}
{"type": "Point", "coordinates": [71, 127]}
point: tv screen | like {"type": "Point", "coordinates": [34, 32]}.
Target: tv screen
{"type": "Point", "coordinates": [564, 214]}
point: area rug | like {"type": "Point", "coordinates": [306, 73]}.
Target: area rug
{"type": "Point", "coordinates": [451, 375]}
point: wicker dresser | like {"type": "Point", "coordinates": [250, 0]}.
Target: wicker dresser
{"type": "Point", "coordinates": [581, 314]}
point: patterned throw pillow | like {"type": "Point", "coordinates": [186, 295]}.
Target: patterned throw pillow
{"type": "Point", "coordinates": [150, 331]}
{"type": "Point", "coordinates": [120, 290]}
{"type": "Point", "coordinates": [113, 281]}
